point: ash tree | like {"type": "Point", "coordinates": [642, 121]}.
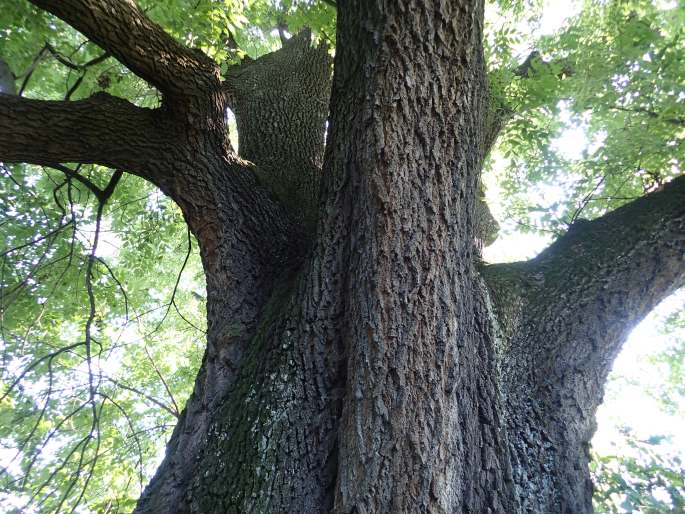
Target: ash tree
{"type": "Point", "coordinates": [359, 354]}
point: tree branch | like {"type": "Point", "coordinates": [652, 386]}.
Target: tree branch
{"type": "Point", "coordinates": [499, 113]}
{"type": "Point", "coordinates": [585, 292]}
{"type": "Point", "coordinates": [99, 130]}
{"type": "Point", "coordinates": [71, 65]}
{"type": "Point", "coordinates": [535, 63]}
{"type": "Point", "coordinates": [680, 122]}
{"type": "Point", "coordinates": [69, 173]}
{"type": "Point", "coordinates": [563, 317]}
{"type": "Point", "coordinates": [171, 410]}
{"type": "Point", "coordinates": [279, 99]}
{"type": "Point", "coordinates": [122, 29]}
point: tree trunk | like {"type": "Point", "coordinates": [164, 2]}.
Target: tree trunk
{"type": "Point", "coordinates": [380, 376]}
{"type": "Point", "coordinates": [360, 358]}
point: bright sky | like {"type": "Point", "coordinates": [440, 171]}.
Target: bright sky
{"type": "Point", "coordinates": [627, 399]}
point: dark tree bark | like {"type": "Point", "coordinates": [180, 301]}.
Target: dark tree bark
{"type": "Point", "coordinates": [359, 358]}
{"type": "Point", "coordinates": [281, 102]}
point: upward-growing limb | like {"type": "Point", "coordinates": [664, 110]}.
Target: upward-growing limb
{"type": "Point", "coordinates": [605, 275]}
{"type": "Point", "coordinates": [596, 282]}
{"type": "Point", "coordinates": [281, 103]}
{"type": "Point", "coordinates": [564, 316]}
{"type": "Point", "coordinates": [121, 28]}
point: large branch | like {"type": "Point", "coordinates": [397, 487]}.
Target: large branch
{"type": "Point", "coordinates": [565, 316]}
{"type": "Point", "coordinates": [584, 294]}
{"type": "Point", "coordinates": [280, 103]}
{"type": "Point", "coordinates": [123, 30]}
{"type": "Point", "coordinates": [99, 130]}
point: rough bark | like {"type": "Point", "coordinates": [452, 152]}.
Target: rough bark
{"type": "Point", "coordinates": [354, 380]}
{"type": "Point", "coordinates": [113, 132]}
{"type": "Point", "coordinates": [368, 365]}
{"type": "Point", "coordinates": [563, 317]}
{"type": "Point", "coordinates": [419, 428]}
{"type": "Point", "coordinates": [280, 102]}
{"type": "Point", "coordinates": [247, 288]}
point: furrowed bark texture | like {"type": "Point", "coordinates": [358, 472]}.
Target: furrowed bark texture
{"type": "Point", "coordinates": [250, 310]}
{"type": "Point", "coordinates": [358, 359]}
{"type": "Point", "coordinates": [373, 388]}
{"type": "Point", "coordinates": [563, 317]}
{"type": "Point", "coordinates": [113, 132]}
{"type": "Point", "coordinates": [280, 102]}
{"type": "Point", "coordinates": [420, 422]}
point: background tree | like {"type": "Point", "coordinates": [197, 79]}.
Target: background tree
{"type": "Point", "coordinates": [352, 331]}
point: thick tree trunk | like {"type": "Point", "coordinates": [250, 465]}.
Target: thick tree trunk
{"type": "Point", "coordinates": [385, 372]}
{"type": "Point", "coordinates": [371, 383]}
{"type": "Point", "coordinates": [359, 359]}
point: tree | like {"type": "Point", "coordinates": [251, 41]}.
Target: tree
{"type": "Point", "coordinates": [359, 355]}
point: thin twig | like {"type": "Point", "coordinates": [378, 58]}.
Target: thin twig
{"type": "Point", "coordinates": [164, 382]}
{"type": "Point", "coordinates": [173, 411]}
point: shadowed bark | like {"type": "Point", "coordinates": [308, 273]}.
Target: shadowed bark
{"type": "Point", "coordinates": [113, 132]}
{"type": "Point", "coordinates": [280, 103]}
{"type": "Point", "coordinates": [421, 408]}
{"type": "Point", "coordinates": [375, 368]}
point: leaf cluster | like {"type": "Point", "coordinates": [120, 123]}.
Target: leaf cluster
{"type": "Point", "coordinates": [598, 115]}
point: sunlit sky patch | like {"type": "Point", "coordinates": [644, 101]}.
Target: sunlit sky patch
{"type": "Point", "coordinates": [629, 399]}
